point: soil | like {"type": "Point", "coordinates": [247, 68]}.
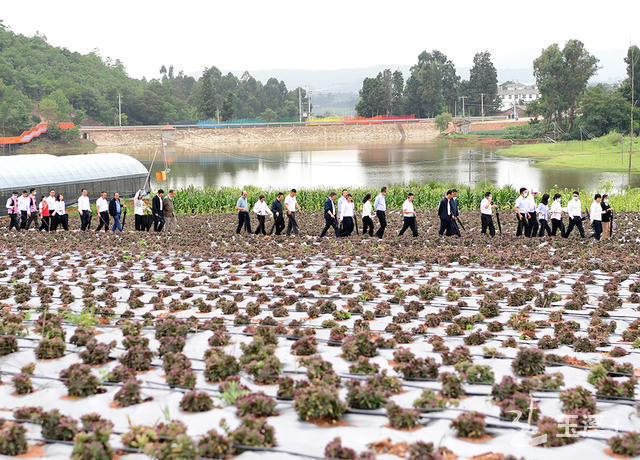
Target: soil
{"type": "Point", "coordinates": [326, 423]}
{"type": "Point", "coordinates": [408, 430]}
{"type": "Point", "coordinates": [488, 456]}
{"type": "Point", "coordinates": [610, 453]}
{"type": "Point", "coordinates": [485, 438]}
{"type": "Point", "coordinates": [34, 451]}
{"type": "Point", "coordinates": [387, 447]}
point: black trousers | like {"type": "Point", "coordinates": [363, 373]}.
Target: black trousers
{"type": "Point", "coordinates": [84, 220]}
{"type": "Point", "coordinates": [445, 226]}
{"type": "Point", "coordinates": [409, 222]}
{"type": "Point", "coordinates": [243, 220]}
{"type": "Point", "coordinates": [279, 224]}
{"type": "Point", "coordinates": [261, 228]}
{"type": "Point", "coordinates": [487, 223]}
{"type": "Point", "coordinates": [15, 223]}
{"type": "Point", "coordinates": [544, 227]}
{"type": "Point", "coordinates": [382, 219]}
{"type": "Point", "coordinates": [45, 224]}
{"type": "Point", "coordinates": [33, 218]}
{"type": "Point", "coordinates": [533, 225]}
{"type": "Point", "coordinates": [556, 224]}
{"type": "Point", "coordinates": [104, 221]}
{"type": "Point", "coordinates": [23, 219]}
{"type": "Point", "coordinates": [292, 225]}
{"type": "Point", "coordinates": [453, 228]}
{"type": "Point", "coordinates": [62, 220]}
{"type": "Point", "coordinates": [138, 222]}
{"type": "Point", "coordinates": [329, 222]}
{"type": "Point", "coordinates": [367, 225]}
{"type": "Point", "coordinates": [523, 225]}
{"type": "Point", "coordinates": [347, 226]}
{"type": "Point", "coordinates": [597, 229]}
{"type": "Point", "coordinates": [158, 222]}
{"type": "Point", "coordinates": [575, 222]}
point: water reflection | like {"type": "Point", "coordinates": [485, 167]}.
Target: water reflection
{"type": "Point", "coordinates": [371, 165]}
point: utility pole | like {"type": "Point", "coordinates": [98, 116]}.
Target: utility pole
{"type": "Point", "coordinates": [482, 106]}
{"type": "Point", "coordinates": [463, 98]}
{"type": "Point", "coordinates": [633, 65]}
{"type": "Point", "coordinates": [308, 102]}
{"type": "Point", "coordinates": [119, 110]}
{"type": "Point", "coordinates": [455, 108]}
{"type": "Point", "coordinates": [299, 105]}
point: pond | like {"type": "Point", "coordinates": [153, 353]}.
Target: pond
{"type": "Point", "coordinates": [362, 165]}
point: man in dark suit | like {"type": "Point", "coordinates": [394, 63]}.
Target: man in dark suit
{"type": "Point", "coordinates": [454, 213]}
{"type": "Point", "coordinates": [278, 213]}
{"type": "Point", "coordinates": [444, 212]}
{"type": "Point", "coordinates": [329, 215]}
{"type": "Point", "coordinates": [157, 209]}
{"type": "Point", "coordinates": [115, 210]}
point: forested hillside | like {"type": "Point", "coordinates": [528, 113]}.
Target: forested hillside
{"type": "Point", "coordinates": [38, 80]}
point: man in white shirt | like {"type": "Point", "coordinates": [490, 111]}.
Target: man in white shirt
{"type": "Point", "coordinates": [84, 209]}
{"type": "Point", "coordinates": [291, 206]}
{"type": "Point", "coordinates": [102, 207]}
{"type": "Point", "coordinates": [556, 215]}
{"type": "Point", "coordinates": [522, 213]}
{"type": "Point", "coordinates": [486, 219]}
{"type": "Point", "coordinates": [262, 210]}
{"type": "Point", "coordinates": [531, 210]}
{"type": "Point", "coordinates": [409, 215]}
{"type": "Point", "coordinates": [347, 211]}
{"type": "Point", "coordinates": [380, 208]}
{"type": "Point", "coordinates": [23, 209]}
{"type": "Point", "coordinates": [595, 216]}
{"type": "Point", "coordinates": [575, 215]}
{"type": "Point", "coordinates": [342, 200]}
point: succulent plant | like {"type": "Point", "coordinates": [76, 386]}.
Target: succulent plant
{"type": "Point", "coordinates": [139, 436]}
{"type": "Point", "coordinates": [8, 344]}
{"type": "Point", "coordinates": [470, 425]}
{"type": "Point", "coordinates": [555, 434]}
{"type": "Point", "coordinates": [335, 450]}
{"type": "Point", "coordinates": [129, 394]}
{"type": "Point", "coordinates": [50, 348]}
{"type": "Point", "coordinates": [214, 445]}
{"type": "Point", "coordinates": [256, 404]}
{"type": "Point", "coordinates": [22, 383]}
{"type": "Point", "coordinates": [528, 362]}
{"type": "Point", "coordinates": [196, 401]}
{"type": "Point", "coordinates": [57, 426]}
{"type": "Point", "coordinates": [627, 444]}
{"type": "Point", "coordinates": [252, 432]}
{"type": "Point", "coordinates": [399, 418]}
{"type": "Point", "coordinates": [360, 344]}
{"type": "Point", "coordinates": [364, 396]}
{"type": "Point", "coordinates": [430, 400]}
{"type": "Point", "coordinates": [80, 381]}
{"type": "Point", "coordinates": [419, 368]}
{"type": "Point", "coordinates": [318, 402]}
{"type": "Point", "coordinates": [305, 346]}
{"type": "Point", "coordinates": [93, 444]}
{"type": "Point", "coordinates": [13, 440]}
{"type": "Point", "coordinates": [577, 398]}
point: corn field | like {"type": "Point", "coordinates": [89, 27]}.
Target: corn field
{"type": "Point", "coordinates": [194, 200]}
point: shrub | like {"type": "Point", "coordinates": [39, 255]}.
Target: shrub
{"type": "Point", "coordinates": [519, 403]}
{"type": "Point", "coordinates": [129, 394]}
{"type": "Point", "coordinates": [50, 348]}
{"type": "Point", "coordinates": [363, 366]}
{"type": "Point", "coordinates": [120, 373]}
{"type": "Point", "coordinates": [429, 399]}
{"type": "Point", "coordinates": [608, 387]}
{"type": "Point", "coordinates": [360, 344]}
{"type": "Point", "coordinates": [479, 374]}
{"type": "Point", "coordinates": [403, 419]}
{"type": "Point", "coordinates": [335, 450]}
{"type": "Point", "coordinates": [305, 346]}
{"type": "Point", "coordinates": [470, 425]}
{"type": "Point", "coordinates": [31, 413]}
{"type": "Point", "coordinates": [364, 396]}
{"type": "Point", "coordinates": [420, 368]}
{"type": "Point", "coordinates": [423, 451]}
{"type": "Point", "coordinates": [139, 436]}
{"type": "Point", "coordinates": [219, 366]}
{"type": "Point", "coordinates": [389, 384]}
{"type": "Point", "coordinates": [556, 434]}
{"type": "Point", "coordinates": [92, 445]}
{"type": "Point", "coordinates": [256, 404]}
{"type": "Point", "coordinates": [547, 343]}
{"type": "Point", "coordinates": [214, 445]}
{"type": "Point", "coordinates": [22, 383]}
{"type": "Point", "coordinates": [13, 440]}
{"type": "Point", "coordinates": [318, 402]}
{"type": "Point", "coordinates": [196, 401]}
{"type": "Point", "coordinates": [627, 444]}
{"type": "Point", "coordinates": [80, 381]}
{"type": "Point", "coordinates": [57, 426]}
{"type": "Point", "coordinates": [137, 357]}
{"type": "Point", "coordinates": [96, 352]}
{"type": "Point", "coordinates": [584, 345]}
{"type": "Point", "coordinates": [577, 398]}
{"type": "Point", "coordinates": [93, 421]}
{"type": "Point", "coordinates": [528, 362]}
{"type": "Point", "coordinates": [8, 344]}
{"type": "Point", "coordinates": [252, 432]}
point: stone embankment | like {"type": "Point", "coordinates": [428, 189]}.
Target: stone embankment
{"type": "Point", "coordinates": [198, 138]}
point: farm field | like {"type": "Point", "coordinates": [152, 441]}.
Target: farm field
{"type": "Point", "coordinates": [207, 344]}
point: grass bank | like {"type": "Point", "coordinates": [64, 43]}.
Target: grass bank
{"type": "Point", "coordinates": [606, 153]}
{"type": "Point", "coordinates": [44, 145]}
{"type": "Point", "coordinates": [427, 196]}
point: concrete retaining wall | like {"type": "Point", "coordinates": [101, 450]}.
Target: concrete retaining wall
{"type": "Point", "coordinates": [212, 137]}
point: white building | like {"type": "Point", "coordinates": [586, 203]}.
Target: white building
{"type": "Point", "coordinates": [517, 94]}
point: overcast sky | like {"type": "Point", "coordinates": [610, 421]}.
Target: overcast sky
{"type": "Point", "coordinates": [325, 34]}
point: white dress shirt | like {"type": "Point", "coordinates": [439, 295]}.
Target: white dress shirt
{"type": "Point", "coordinates": [23, 203]}
{"type": "Point", "coordinates": [595, 213]}
{"type": "Point", "coordinates": [485, 206]}
{"type": "Point", "coordinates": [346, 209]}
{"type": "Point", "coordinates": [407, 209]}
{"type": "Point", "coordinates": [574, 208]}
{"type": "Point", "coordinates": [102, 205]}
{"type": "Point", "coordinates": [261, 208]}
{"type": "Point", "coordinates": [290, 203]}
{"type": "Point", "coordinates": [138, 207]}
{"type": "Point", "coordinates": [531, 204]}
{"type": "Point", "coordinates": [51, 201]}
{"type": "Point", "coordinates": [522, 205]}
{"type": "Point", "coordinates": [60, 208]}
{"type": "Point", "coordinates": [556, 210]}
{"type": "Point", "coordinates": [84, 204]}
{"type": "Point", "coordinates": [366, 209]}
{"type": "Point", "coordinates": [341, 201]}
{"type": "Point", "coordinates": [380, 204]}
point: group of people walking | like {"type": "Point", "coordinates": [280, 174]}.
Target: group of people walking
{"type": "Point", "coordinates": [532, 217]}
{"type": "Point", "coordinates": [25, 209]}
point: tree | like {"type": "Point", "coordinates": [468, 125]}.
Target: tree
{"type": "Point", "coordinates": [562, 76]}
{"type": "Point", "coordinates": [14, 111]}
{"type": "Point", "coordinates": [397, 90]}
{"type": "Point", "coordinates": [633, 68]}
{"type": "Point", "coordinates": [269, 115]}
{"type": "Point", "coordinates": [163, 70]}
{"type": "Point", "coordinates": [603, 110]}
{"type": "Point", "coordinates": [483, 85]}
{"type": "Point", "coordinates": [228, 106]}
{"type": "Point", "coordinates": [372, 98]}
{"type": "Point", "coordinates": [442, 120]}
{"type": "Point", "coordinates": [433, 84]}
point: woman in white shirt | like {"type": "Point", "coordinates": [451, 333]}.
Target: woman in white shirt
{"type": "Point", "coordinates": [367, 215]}
{"type": "Point", "coordinates": [543, 215]}
{"type": "Point", "coordinates": [556, 215]}
{"type": "Point", "coordinates": [346, 216]}
{"type": "Point", "coordinates": [60, 213]}
{"type": "Point", "coordinates": [139, 208]}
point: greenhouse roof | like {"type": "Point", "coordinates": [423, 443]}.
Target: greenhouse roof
{"type": "Point", "coordinates": [21, 171]}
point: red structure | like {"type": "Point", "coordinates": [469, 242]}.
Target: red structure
{"type": "Point", "coordinates": [29, 135]}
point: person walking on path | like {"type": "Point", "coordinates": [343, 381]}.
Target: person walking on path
{"type": "Point", "coordinates": [278, 214]}
{"type": "Point", "coordinates": [486, 215]}
{"type": "Point", "coordinates": [115, 209]}
{"type": "Point", "coordinates": [291, 206]}
{"type": "Point", "coordinates": [33, 210]}
{"type": "Point", "coordinates": [157, 209]}
{"type": "Point", "coordinates": [575, 215]}
{"type": "Point", "coordinates": [169, 212]}
{"type": "Point", "coordinates": [12, 210]}
{"type": "Point", "coordinates": [84, 209]}
{"type": "Point", "coordinates": [367, 215]}
{"type": "Point", "coordinates": [409, 216]}
{"type": "Point", "coordinates": [243, 213]}
{"type": "Point", "coordinates": [261, 210]}
{"type": "Point", "coordinates": [380, 208]}
{"type": "Point", "coordinates": [330, 219]}
{"type": "Point", "coordinates": [102, 207]}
